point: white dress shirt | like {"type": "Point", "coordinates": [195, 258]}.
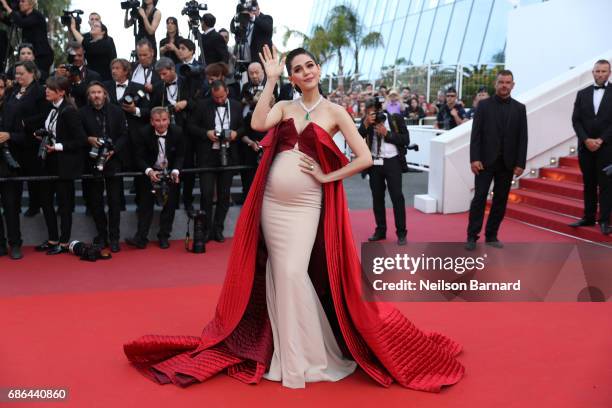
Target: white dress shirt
{"type": "Point", "coordinates": [142, 75]}
{"type": "Point", "coordinates": [51, 122]}
{"type": "Point", "coordinates": [597, 97]}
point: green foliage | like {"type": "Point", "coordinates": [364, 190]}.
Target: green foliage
{"type": "Point", "coordinates": [58, 36]}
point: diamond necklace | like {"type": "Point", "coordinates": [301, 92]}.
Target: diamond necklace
{"type": "Point", "coordinates": [312, 108]}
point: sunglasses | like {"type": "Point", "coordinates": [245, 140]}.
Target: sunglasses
{"type": "Point", "coordinates": [451, 96]}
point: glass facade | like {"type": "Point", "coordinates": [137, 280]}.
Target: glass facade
{"type": "Point", "coordinates": [418, 32]}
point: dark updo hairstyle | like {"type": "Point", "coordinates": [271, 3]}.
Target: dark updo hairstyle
{"type": "Point", "coordinates": [289, 60]}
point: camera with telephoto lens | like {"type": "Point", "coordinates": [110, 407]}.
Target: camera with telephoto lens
{"type": "Point", "coordinates": [224, 141]}
{"type": "Point", "coordinates": [199, 233]}
{"type": "Point", "coordinates": [66, 18]}
{"type": "Point", "coordinates": [132, 5]}
{"type": "Point", "coordinates": [48, 139]}
{"type": "Point", "coordinates": [192, 70]}
{"type": "Point", "coordinates": [381, 117]}
{"type": "Point", "coordinates": [161, 188]}
{"type": "Point", "coordinates": [192, 11]}
{"type": "Point", "coordinates": [8, 157]}
{"type": "Point", "coordinates": [132, 98]}
{"type": "Point", "coordinates": [88, 252]}
{"type": "Point", "coordinates": [72, 69]}
{"type": "Point", "coordinates": [100, 153]}
{"type": "Point", "coordinates": [239, 26]}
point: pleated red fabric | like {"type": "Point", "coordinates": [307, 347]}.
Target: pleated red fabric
{"type": "Point", "coordinates": [385, 344]}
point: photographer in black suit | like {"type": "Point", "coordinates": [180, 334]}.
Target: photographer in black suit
{"type": "Point", "coordinates": [498, 151]}
{"type": "Point", "coordinates": [175, 93]}
{"type": "Point", "coordinates": [143, 71]}
{"type": "Point", "coordinates": [258, 32]}
{"type": "Point", "coordinates": [159, 155]}
{"type": "Point", "coordinates": [79, 74]}
{"type": "Point", "coordinates": [33, 30]}
{"type": "Point", "coordinates": [64, 158]}
{"type": "Point", "coordinates": [592, 120]}
{"type": "Point", "coordinates": [131, 97]}
{"type": "Point", "coordinates": [216, 124]}
{"type": "Point", "coordinates": [106, 129]}
{"type": "Point", "coordinates": [387, 138]}
{"type": "Point", "coordinates": [24, 111]}
{"type": "Point", "coordinates": [214, 47]}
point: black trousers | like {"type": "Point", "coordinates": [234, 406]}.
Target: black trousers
{"type": "Point", "coordinates": [64, 190]}
{"type": "Point", "coordinates": [188, 180]}
{"type": "Point", "coordinates": [389, 175]}
{"type": "Point", "coordinates": [146, 206]}
{"type": "Point", "coordinates": [502, 181]}
{"type": "Point", "coordinates": [32, 166]}
{"type": "Point", "coordinates": [223, 181]}
{"type": "Point", "coordinates": [591, 165]}
{"type": "Point", "coordinates": [107, 228]}
{"type": "Point", "coordinates": [10, 194]}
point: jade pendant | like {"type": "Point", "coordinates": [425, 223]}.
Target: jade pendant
{"type": "Point", "coordinates": [307, 115]}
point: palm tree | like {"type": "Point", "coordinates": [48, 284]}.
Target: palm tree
{"type": "Point", "coordinates": [317, 43]}
{"type": "Point", "coordinates": [346, 31]}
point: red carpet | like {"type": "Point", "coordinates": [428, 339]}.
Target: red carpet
{"type": "Point", "coordinates": [64, 322]}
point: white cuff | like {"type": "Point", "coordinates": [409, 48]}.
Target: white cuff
{"type": "Point", "coordinates": [58, 147]}
{"type": "Point", "coordinates": [148, 170]}
{"type": "Point", "coordinates": [137, 113]}
{"type": "Point", "coordinates": [175, 171]}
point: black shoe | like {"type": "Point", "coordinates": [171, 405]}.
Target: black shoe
{"type": "Point", "coordinates": [401, 240]}
{"type": "Point", "coordinates": [101, 242]}
{"type": "Point", "coordinates": [218, 236]}
{"type": "Point", "coordinates": [605, 228]}
{"type": "Point", "coordinates": [114, 246]}
{"type": "Point", "coordinates": [15, 252]}
{"type": "Point", "coordinates": [136, 243]}
{"type": "Point", "coordinates": [495, 243]}
{"type": "Point", "coordinates": [44, 247]}
{"type": "Point", "coordinates": [583, 222]}
{"type": "Point", "coordinates": [378, 236]}
{"type": "Point", "coordinates": [3, 250]}
{"type": "Point", "coordinates": [163, 243]}
{"type": "Point", "coordinates": [57, 249]}
{"type": "Point", "coordinates": [32, 212]}
{"type": "Point", "coordinates": [470, 244]}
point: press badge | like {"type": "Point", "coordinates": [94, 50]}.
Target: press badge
{"type": "Point", "coordinates": [378, 162]}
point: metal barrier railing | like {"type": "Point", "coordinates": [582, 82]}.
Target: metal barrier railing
{"type": "Point", "coordinates": [127, 174]}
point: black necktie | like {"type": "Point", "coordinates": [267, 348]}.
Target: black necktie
{"type": "Point", "coordinates": [170, 84]}
{"type": "Point", "coordinates": [599, 87]}
{"type": "Point", "coordinates": [162, 136]}
{"type": "Point", "coordinates": [121, 85]}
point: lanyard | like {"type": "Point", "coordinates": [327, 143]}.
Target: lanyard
{"type": "Point", "coordinates": [172, 95]}
{"type": "Point", "coordinates": [101, 119]}
{"type": "Point", "coordinates": [225, 115]}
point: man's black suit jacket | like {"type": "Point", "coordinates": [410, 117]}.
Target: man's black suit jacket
{"type": "Point", "coordinates": [490, 136]}
{"type": "Point", "coordinates": [262, 34]}
{"type": "Point", "coordinates": [147, 148]}
{"type": "Point", "coordinates": [159, 97]}
{"type": "Point", "coordinates": [586, 123]}
{"type": "Point", "coordinates": [214, 48]}
{"type": "Point", "coordinates": [202, 119]}
{"type": "Point", "coordinates": [116, 126]}
{"type": "Point", "coordinates": [397, 135]}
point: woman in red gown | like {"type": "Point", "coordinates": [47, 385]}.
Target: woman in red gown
{"type": "Point", "coordinates": [290, 309]}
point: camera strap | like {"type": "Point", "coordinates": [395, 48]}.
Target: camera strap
{"type": "Point", "coordinates": [52, 121]}
{"type": "Point", "coordinates": [226, 115]}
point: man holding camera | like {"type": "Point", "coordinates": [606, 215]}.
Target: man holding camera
{"type": "Point", "coordinates": [175, 93]}
{"type": "Point", "coordinates": [79, 73]}
{"type": "Point", "coordinates": [257, 31]}
{"type": "Point", "coordinates": [159, 155]}
{"type": "Point", "coordinates": [216, 124]}
{"type": "Point", "coordinates": [143, 71]}
{"type": "Point", "coordinates": [451, 113]}
{"type": "Point", "coordinates": [214, 47]}
{"type": "Point", "coordinates": [107, 134]}
{"type": "Point", "coordinates": [387, 137]}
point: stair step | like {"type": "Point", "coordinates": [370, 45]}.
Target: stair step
{"type": "Point", "coordinates": [561, 188]}
{"type": "Point", "coordinates": [555, 222]}
{"type": "Point", "coordinates": [561, 173]}
{"type": "Point", "coordinates": [569, 161]}
{"type": "Point", "coordinates": [550, 202]}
